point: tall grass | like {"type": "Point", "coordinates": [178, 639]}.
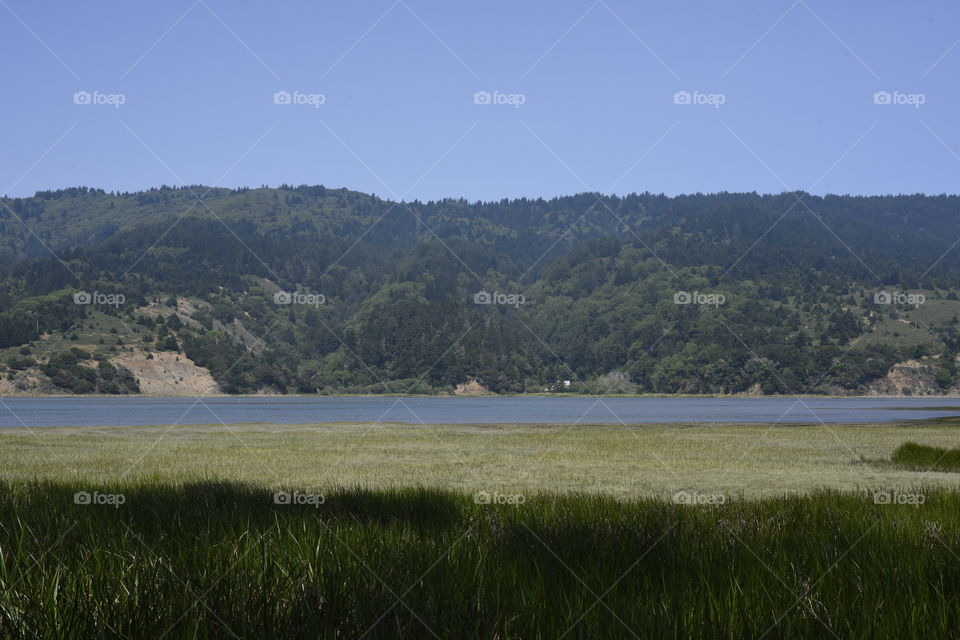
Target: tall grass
{"type": "Point", "coordinates": [217, 560]}
{"type": "Point", "coordinates": [922, 457]}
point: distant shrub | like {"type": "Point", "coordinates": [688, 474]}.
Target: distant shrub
{"type": "Point", "coordinates": [20, 363]}
{"type": "Point", "coordinates": [66, 371]}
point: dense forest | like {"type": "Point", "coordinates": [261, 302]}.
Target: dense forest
{"type": "Point", "coordinates": [315, 290]}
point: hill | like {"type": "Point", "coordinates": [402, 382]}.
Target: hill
{"type": "Point", "coordinates": [316, 290]}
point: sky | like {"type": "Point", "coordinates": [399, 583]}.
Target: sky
{"type": "Point", "coordinates": [420, 99]}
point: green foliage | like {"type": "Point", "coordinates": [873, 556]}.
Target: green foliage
{"type": "Point", "coordinates": [134, 561]}
{"type": "Point", "coordinates": [399, 288]}
{"type": "Point", "coordinates": [72, 370]}
{"type": "Point", "coordinates": [19, 363]}
{"type": "Point", "coordinates": [947, 373]}
{"type": "Point", "coordinates": [924, 458]}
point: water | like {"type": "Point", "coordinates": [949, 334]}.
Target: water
{"type": "Point", "coordinates": [79, 411]}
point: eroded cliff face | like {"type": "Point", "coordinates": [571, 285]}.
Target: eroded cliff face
{"type": "Point", "coordinates": [168, 374]}
{"type": "Point", "coordinates": [471, 388]}
{"type": "Point", "coordinates": [912, 378]}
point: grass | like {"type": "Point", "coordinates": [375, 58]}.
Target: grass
{"type": "Point", "coordinates": [810, 532]}
{"type": "Point", "coordinates": [917, 456]}
{"type": "Point", "coordinates": [912, 327]}
{"type": "Point", "coordinates": [622, 461]}
{"type": "Point", "coordinates": [218, 560]}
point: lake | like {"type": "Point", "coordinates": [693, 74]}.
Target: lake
{"type": "Point", "coordinates": [139, 411]}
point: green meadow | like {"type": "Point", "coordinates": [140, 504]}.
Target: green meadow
{"type": "Point", "coordinates": [748, 461]}
{"type": "Point", "coordinates": [487, 532]}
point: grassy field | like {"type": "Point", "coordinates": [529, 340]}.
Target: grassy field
{"type": "Point", "coordinates": [642, 461]}
{"type": "Point", "coordinates": [220, 560]}
{"type": "Point", "coordinates": [488, 532]}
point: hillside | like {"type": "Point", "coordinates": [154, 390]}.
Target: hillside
{"type": "Point", "coordinates": [316, 290]}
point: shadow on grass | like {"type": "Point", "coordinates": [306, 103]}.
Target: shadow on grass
{"type": "Point", "coordinates": [225, 500]}
{"type": "Point", "coordinates": [219, 559]}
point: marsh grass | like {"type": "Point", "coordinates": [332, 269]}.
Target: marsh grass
{"type": "Point", "coordinates": [922, 457]}
{"type": "Point", "coordinates": [624, 461]}
{"type": "Point", "coordinates": [221, 560]}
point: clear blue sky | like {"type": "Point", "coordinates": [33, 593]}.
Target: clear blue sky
{"type": "Point", "coordinates": [597, 82]}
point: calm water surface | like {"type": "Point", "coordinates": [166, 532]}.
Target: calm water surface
{"type": "Point", "coordinates": [44, 412]}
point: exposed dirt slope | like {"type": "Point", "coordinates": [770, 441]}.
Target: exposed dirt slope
{"type": "Point", "coordinates": [168, 374]}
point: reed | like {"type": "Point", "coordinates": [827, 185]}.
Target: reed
{"type": "Point", "coordinates": [218, 560]}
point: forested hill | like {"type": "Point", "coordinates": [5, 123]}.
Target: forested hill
{"type": "Point", "coordinates": [309, 289]}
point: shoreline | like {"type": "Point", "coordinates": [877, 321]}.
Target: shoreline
{"type": "Point", "coordinates": [678, 396]}
{"type": "Point", "coordinates": [489, 427]}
